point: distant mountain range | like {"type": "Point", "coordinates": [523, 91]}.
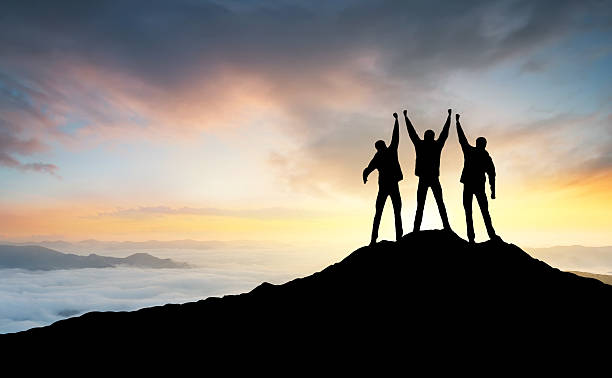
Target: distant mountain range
{"type": "Point", "coordinates": [41, 258]}
{"type": "Point", "coordinates": [431, 294]}
{"type": "Point", "coordinates": [576, 258]}
{"type": "Point", "coordinates": [99, 245]}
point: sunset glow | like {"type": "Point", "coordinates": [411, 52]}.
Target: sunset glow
{"type": "Point", "coordinates": [158, 130]}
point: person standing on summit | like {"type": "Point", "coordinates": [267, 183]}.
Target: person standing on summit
{"type": "Point", "coordinates": [389, 174]}
{"type": "Point", "coordinates": [477, 162]}
{"type": "Point", "coordinates": [427, 168]}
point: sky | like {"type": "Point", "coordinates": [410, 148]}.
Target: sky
{"type": "Point", "coordinates": [242, 120]}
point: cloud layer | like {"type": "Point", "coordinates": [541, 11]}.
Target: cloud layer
{"type": "Point", "coordinates": [30, 299]}
{"type": "Point", "coordinates": [114, 68]}
{"type": "Point", "coordinates": [37, 298]}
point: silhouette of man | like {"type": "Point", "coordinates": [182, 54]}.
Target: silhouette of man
{"type": "Point", "coordinates": [476, 163]}
{"type": "Point", "coordinates": [389, 174]}
{"type": "Point", "coordinates": [427, 168]}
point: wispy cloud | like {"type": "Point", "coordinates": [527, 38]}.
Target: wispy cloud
{"type": "Point", "coordinates": [8, 161]}
{"type": "Point", "coordinates": [15, 102]}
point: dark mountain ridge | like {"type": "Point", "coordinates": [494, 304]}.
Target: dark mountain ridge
{"type": "Point", "coordinates": [431, 289]}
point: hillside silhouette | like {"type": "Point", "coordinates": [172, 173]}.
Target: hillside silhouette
{"type": "Point", "coordinates": [430, 287]}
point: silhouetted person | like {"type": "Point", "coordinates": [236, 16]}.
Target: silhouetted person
{"type": "Point", "coordinates": [427, 168]}
{"type": "Point", "coordinates": [476, 163]}
{"type": "Point", "coordinates": [389, 174]}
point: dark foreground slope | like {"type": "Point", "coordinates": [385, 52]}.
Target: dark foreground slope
{"type": "Point", "coordinates": [431, 288]}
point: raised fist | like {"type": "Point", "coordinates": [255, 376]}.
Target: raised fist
{"type": "Point", "coordinates": [450, 111]}
{"type": "Point", "coordinates": [457, 117]}
{"type": "Point", "coordinates": [405, 112]}
{"type": "Point", "coordinates": [395, 115]}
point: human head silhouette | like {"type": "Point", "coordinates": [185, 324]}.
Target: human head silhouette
{"type": "Point", "coordinates": [429, 135]}
{"type": "Point", "coordinates": [380, 145]}
{"type": "Point", "coordinates": [481, 143]}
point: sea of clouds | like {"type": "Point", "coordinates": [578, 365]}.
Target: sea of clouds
{"type": "Point", "coordinates": [37, 298]}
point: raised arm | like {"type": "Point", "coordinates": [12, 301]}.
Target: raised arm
{"type": "Point", "coordinates": [411, 131]}
{"type": "Point", "coordinates": [445, 129]}
{"type": "Point", "coordinates": [462, 139]}
{"type": "Point", "coordinates": [491, 174]}
{"type": "Point", "coordinates": [395, 137]}
{"type": "Point", "coordinates": [371, 167]}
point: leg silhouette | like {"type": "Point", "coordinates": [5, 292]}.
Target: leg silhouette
{"type": "Point", "coordinates": [436, 188]}
{"type": "Point", "coordinates": [396, 200]}
{"type": "Point", "coordinates": [421, 196]}
{"type": "Point", "coordinates": [380, 205]}
{"type": "Point", "coordinates": [481, 197]}
{"type": "Point", "coordinates": [467, 205]}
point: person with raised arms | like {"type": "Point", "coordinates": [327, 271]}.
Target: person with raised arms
{"type": "Point", "coordinates": [427, 168]}
{"type": "Point", "coordinates": [389, 174]}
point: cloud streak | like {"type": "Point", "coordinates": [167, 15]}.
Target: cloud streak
{"type": "Point", "coordinates": [14, 103]}
{"type": "Point", "coordinates": [8, 161]}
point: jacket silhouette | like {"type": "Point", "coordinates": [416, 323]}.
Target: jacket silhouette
{"type": "Point", "coordinates": [389, 174]}
{"type": "Point", "coordinates": [477, 163]}
{"type": "Point", "coordinates": [427, 168]}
